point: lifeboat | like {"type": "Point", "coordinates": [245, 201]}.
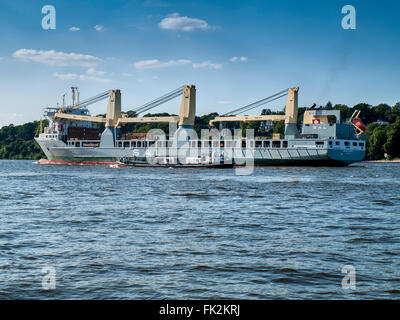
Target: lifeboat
{"type": "Point", "coordinates": [359, 124]}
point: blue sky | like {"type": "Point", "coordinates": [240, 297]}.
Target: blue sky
{"type": "Point", "coordinates": [235, 52]}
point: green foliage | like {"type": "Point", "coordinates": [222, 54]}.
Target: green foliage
{"type": "Point", "coordinates": [383, 112]}
{"type": "Point", "coordinates": [392, 145]}
{"type": "Point", "coordinates": [395, 112]}
{"type": "Point", "coordinates": [279, 127]}
{"type": "Point", "coordinates": [383, 139]}
{"type": "Point", "coordinates": [16, 142]}
{"type": "Point", "coordinates": [345, 111]}
{"type": "Point", "coordinates": [300, 114]}
{"type": "Point", "coordinates": [144, 127]}
{"type": "Point", "coordinates": [202, 122]}
{"type": "Point", "coordinates": [376, 137]}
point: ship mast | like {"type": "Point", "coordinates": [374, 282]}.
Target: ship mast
{"type": "Point", "coordinates": [73, 95]}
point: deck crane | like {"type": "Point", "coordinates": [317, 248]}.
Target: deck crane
{"type": "Point", "coordinates": [290, 115]}
{"type": "Point", "coordinates": [150, 105]}
{"type": "Point", "coordinates": [114, 118]}
{"type": "Point", "coordinates": [232, 116]}
{"type": "Point", "coordinates": [61, 114]}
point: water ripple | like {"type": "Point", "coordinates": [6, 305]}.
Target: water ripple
{"type": "Point", "coordinates": [199, 234]}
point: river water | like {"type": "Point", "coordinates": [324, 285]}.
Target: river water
{"type": "Point", "coordinates": [94, 232]}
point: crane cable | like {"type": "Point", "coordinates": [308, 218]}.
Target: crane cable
{"type": "Point", "coordinates": [91, 100]}
{"type": "Point", "coordinates": [96, 98]}
{"type": "Point", "coordinates": [257, 103]}
{"type": "Point", "coordinates": [156, 102]}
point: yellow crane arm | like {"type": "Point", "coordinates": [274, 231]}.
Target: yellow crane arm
{"type": "Point", "coordinates": [271, 117]}
{"type": "Point", "coordinates": [122, 121]}
{"type": "Point", "coordinates": [60, 115]}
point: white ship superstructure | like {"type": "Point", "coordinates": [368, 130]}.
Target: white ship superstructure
{"type": "Point", "coordinates": [323, 140]}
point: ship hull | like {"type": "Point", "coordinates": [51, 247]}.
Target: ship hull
{"type": "Point", "coordinates": [57, 153]}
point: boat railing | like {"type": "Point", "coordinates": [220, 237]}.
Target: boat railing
{"type": "Point", "coordinates": [228, 144]}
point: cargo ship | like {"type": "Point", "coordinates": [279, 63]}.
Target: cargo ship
{"type": "Point", "coordinates": [71, 137]}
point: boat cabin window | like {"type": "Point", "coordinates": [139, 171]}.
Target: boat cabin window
{"type": "Point", "coordinates": [338, 143]}
{"type": "Point", "coordinates": [346, 143]}
{"type": "Point", "coordinates": [133, 144]}
{"type": "Point", "coordinates": [276, 144]}
{"type": "Point", "coordinates": [319, 143]}
{"type": "Point", "coordinates": [258, 144]}
{"type": "Point", "coordinates": [361, 144]}
{"type": "Point", "coordinates": [243, 143]}
{"type": "Point", "coordinates": [266, 144]}
{"type": "Point", "coordinates": [284, 144]}
{"type": "Point", "coordinates": [126, 144]}
{"type": "Point", "coordinates": [355, 144]}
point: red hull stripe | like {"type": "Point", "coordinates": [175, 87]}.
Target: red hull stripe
{"type": "Point", "coordinates": [89, 163]}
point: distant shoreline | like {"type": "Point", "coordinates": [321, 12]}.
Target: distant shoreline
{"type": "Point", "coordinates": [384, 161]}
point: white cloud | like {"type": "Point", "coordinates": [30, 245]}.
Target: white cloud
{"type": "Point", "coordinates": [95, 72]}
{"type": "Point", "coordinates": [90, 78]}
{"type": "Point", "coordinates": [54, 58]}
{"type": "Point", "coordinates": [177, 22]}
{"type": "Point", "coordinates": [127, 74]}
{"type": "Point", "coordinates": [155, 63]}
{"type": "Point", "coordinates": [74, 29]}
{"type": "Point", "coordinates": [74, 76]}
{"type": "Point", "coordinates": [66, 76]}
{"type": "Point", "coordinates": [98, 27]}
{"type": "Point", "coordinates": [207, 64]}
{"type": "Point", "coordinates": [224, 102]}
{"type": "Point", "coordinates": [8, 118]}
{"type": "Point", "coordinates": [242, 59]}
{"type": "Point", "coordinates": [11, 115]}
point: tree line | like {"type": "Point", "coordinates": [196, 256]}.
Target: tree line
{"type": "Point", "coordinates": [382, 134]}
{"type": "Point", "coordinates": [17, 142]}
{"type": "Point", "coordinates": [383, 128]}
